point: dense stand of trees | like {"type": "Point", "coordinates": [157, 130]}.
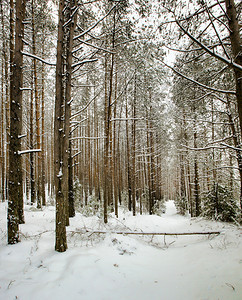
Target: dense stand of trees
{"type": "Point", "coordinates": [103, 125]}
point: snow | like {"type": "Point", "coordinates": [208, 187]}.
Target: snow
{"type": "Point", "coordinates": [110, 266]}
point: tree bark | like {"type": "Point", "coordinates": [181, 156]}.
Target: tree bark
{"type": "Point", "coordinates": [37, 113]}
{"type": "Point", "coordinates": [114, 154]}
{"type": "Point", "coordinates": [67, 180]}
{"type": "Point", "coordinates": [128, 159]}
{"type": "Point", "coordinates": [2, 158]}
{"type": "Point", "coordinates": [43, 173]}
{"type": "Point", "coordinates": [237, 54]}
{"type": "Point", "coordinates": [31, 146]}
{"type": "Point", "coordinates": [5, 108]}
{"type": "Point", "coordinates": [61, 243]}
{"type": "Point", "coordinates": [133, 151]}
{"type": "Point", "coordinates": [15, 203]}
{"type": "Point", "coordinates": [196, 179]}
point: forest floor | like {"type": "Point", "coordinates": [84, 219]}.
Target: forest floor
{"type": "Point", "coordinates": [110, 266]}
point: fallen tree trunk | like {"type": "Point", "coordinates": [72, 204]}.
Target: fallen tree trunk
{"type": "Point", "coordinates": [154, 233]}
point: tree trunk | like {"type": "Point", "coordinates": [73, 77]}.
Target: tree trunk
{"type": "Point", "coordinates": [67, 181]}
{"type": "Point", "coordinates": [237, 54]}
{"type": "Point", "coordinates": [2, 139]}
{"type": "Point", "coordinates": [128, 159]}
{"type": "Point", "coordinates": [114, 154]}
{"type": "Point", "coordinates": [61, 243]}
{"type": "Point", "coordinates": [37, 114]}
{"type": "Point", "coordinates": [150, 199]}
{"type": "Point", "coordinates": [43, 173]}
{"type": "Point", "coordinates": [196, 180]}
{"type": "Point", "coordinates": [133, 151]}
{"type": "Point", "coordinates": [31, 146]}
{"type": "Point", "coordinates": [5, 108]}
{"type": "Point", "coordinates": [236, 144]}
{"type": "Point", "coordinates": [15, 203]}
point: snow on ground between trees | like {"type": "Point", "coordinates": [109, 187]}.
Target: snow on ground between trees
{"type": "Point", "coordinates": [110, 266]}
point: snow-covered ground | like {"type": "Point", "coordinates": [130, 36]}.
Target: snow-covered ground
{"type": "Point", "coordinates": [121, 267]}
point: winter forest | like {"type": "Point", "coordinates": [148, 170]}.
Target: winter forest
{"type": "Point", "coordinates": [120, 149]}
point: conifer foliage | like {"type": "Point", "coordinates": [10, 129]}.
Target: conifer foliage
{"type": "Point", "coordinates": [219, 204]}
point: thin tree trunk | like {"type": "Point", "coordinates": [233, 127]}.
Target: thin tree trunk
{"type": "Point", "coordinates": [37, 113]}
{"type": "Point", "coordinates": [114, 154]}
{"type": "Point", "coordinates": [196, 180]}
{"type": "Point", "coordinates": [89, 152]}
{"type": "Point", "coordinates": [96, 154]}
{"type": "Point", "coordinates": [43, 158]}
{"type": "Point", "coordinates": [31, 146]}
{"type": "Point", "coordinates": [133, 152]}
{"type": "Point", "coordinates": [61, 243]}
{"type": "Point", "coordinates": [2, 138]}
{"type": "Point", "coordinates": [150, 199]}
{"type": "Point", "coordinates": [66, 142]}
{"type": "Point", "coordinates": [128, 159]}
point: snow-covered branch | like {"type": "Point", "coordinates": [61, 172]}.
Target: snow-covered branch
{"type": "Point", "coordinates": [84, 62]}
{"type": "Point", "coordinates": [22, 136]}
{"type": "Point", "coordinates": [93, 46]}
{"type": "Point", "coordinates": [229, 62]}
{"type": "Point", "coordinates": [85, 107]}
{"type": "Point", "coordinates": [38, 58]}
{"type": "Point", "coordinates": [127, 119]}
{"type": "Point", "coordinates": [152, 233]}
{"type": "Point", "coordinates": [221, 140]}
{"type": "Point", "coordinates": [94, 25]}
{"type": "Point", "coordinates": [87, 138]}
{"type": "Point", "coordinates": [26, 89]}
{"type": "Point", "coordinates": [71, 17]}
{"type": "Point", "coordinates": [204, 148]}
{"type": "Point", "coordinates": [231, 147]}
{"type": "Point", "coordinates": [194, 81]}
{"type": "Point", "coordinates": [29, 151]}
{"type": "Point", "coordinates": [76, 154]}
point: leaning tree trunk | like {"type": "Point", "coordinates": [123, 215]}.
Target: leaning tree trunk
{"type": "Point", "coordinates": [15, 203]}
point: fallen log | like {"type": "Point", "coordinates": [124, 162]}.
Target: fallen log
{"type": "Point", "coordinates": [154, 233]}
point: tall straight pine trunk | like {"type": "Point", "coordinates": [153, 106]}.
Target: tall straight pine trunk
{"type": "Point", "coordinates": [62, 129]}
{"type": "Point", "coordinates": [15, 203]}
{"type": "Point", "coordinates": [61, 243]}
{"type": "Point", "coordinates": [236, 45]}
{"type": "Point", "coordinates": [37, 113]}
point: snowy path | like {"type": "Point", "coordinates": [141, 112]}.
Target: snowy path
{"type": "Point", "coordinates": [116, 267]}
